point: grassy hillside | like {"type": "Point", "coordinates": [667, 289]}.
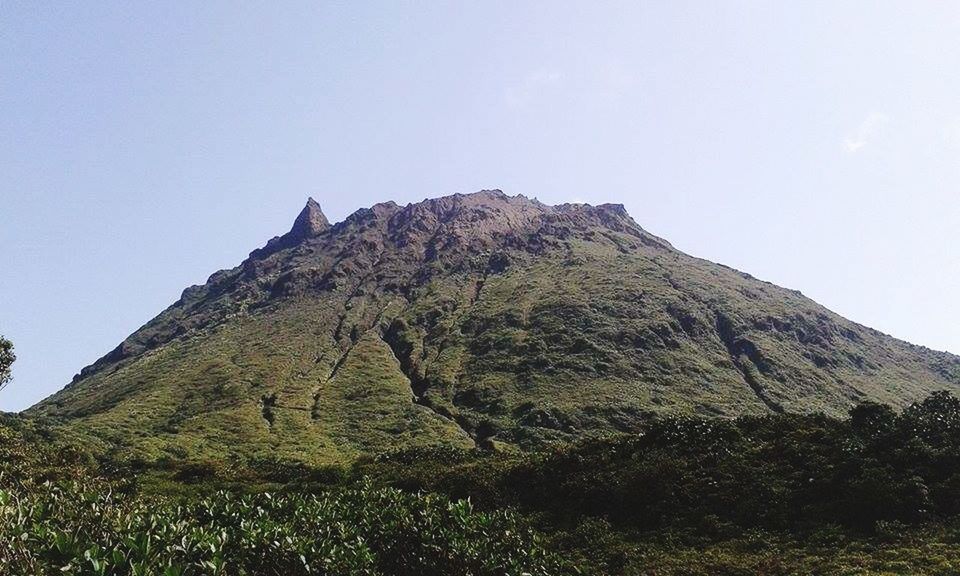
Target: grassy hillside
{"type": "Point", "coordinates": [481, 320]}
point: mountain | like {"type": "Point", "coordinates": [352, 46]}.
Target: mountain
{"type": "Point", "coordinates": [478, 319]}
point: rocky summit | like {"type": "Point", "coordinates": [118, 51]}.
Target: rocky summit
{"type": "Point", "coordinates": [472, 320]}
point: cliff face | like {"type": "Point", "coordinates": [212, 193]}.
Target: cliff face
{"type": "Point", "coordinates": [479, 318]}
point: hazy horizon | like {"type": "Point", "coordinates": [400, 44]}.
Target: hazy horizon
{"type": "Point", "coordinates": [142, 148]}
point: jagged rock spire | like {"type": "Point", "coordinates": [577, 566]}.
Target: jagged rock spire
{"type": "Point", "coordinates": [310, 222]}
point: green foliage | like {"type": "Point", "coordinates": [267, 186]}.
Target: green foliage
{"type": "Point", "coordinates": [58, 516]}
{"type": "Point", "coordinates": [744, 488]}
{"type": "Point", "coordinates": [7, 358]}
{"type": "Point", "coordinates": [778, 472]}
{"type": "Point", "coordinates": [78, 528]}
{"type": "Point", "coordinates": [472, 320]}
{"type": "Point", "coordinates": [874, 494]}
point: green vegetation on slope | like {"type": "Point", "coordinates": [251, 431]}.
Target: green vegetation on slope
{"type": "Point", "coordinates": [877, 493]}
{"type": "Point", "coordinates": [56, 517]}
{"type": "Point", "coordinates": [775, 495]}
{"type": "Point", "coordinates": [479, 319]}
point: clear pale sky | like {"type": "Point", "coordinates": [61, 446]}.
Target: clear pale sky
{"type": "Point", "coordinates": [144, 146]}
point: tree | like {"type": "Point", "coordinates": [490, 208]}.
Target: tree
{"type": "Point", "coordinates": [936, 420]}
{"type": "Point", "coordinates": [7, 357]}
{"type": "Point", "coordinates": [872, 420]}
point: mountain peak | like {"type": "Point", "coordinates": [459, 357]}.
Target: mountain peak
{"type": "Point", "coordinates": [310, 222]}
{"type": "Point", "coordinates": [471, 319]}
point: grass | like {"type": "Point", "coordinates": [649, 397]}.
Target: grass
{"type": "Point", "coordinates": [497, 328]}
{"type": "Point", "coordinates": [872, 495]}
{"type": "Point", "coordinates": [57, 515]}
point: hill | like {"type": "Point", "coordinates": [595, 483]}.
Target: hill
{"type": "Point", "coordinates": [479, 319]}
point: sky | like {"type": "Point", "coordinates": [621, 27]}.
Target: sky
{"type": "Point", "coordinates": [144, 146]}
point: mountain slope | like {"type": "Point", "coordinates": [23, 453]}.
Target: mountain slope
{"type": "Point", "coordinates": [479, 318]}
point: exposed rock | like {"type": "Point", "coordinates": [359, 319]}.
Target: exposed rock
{"type": "Point", "coordinates": [311, 222]}
{"type": "Point", "coordinates": [470, 319]}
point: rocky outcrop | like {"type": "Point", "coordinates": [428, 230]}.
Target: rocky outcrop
{"type": "Point", "coordinates": [475, 319]}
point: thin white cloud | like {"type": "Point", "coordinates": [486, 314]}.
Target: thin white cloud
{"type": "Point", "coordinates": [532, 86]}
{"type": "Point", "coordinates": [869, 129]}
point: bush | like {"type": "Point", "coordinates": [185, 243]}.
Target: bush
{"type": "Point", "coordinates": [80, 528]}
{"type": "Point", "coordinates": [59, 516]}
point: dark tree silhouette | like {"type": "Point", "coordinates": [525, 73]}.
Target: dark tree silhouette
{"type": "Point", "coordinates": [7, 357]}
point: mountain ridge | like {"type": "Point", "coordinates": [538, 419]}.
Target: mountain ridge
{"type": "Point", "coordinates": [474, 319]}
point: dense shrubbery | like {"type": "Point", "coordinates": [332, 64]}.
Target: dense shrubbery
{"type": "Point", "coordinates": [783, 494]}
{"type": "Point", "coordinates": [58, 518]}
{"type": "Point", "coordinates": [85, 529]}
{"type": "Point", "coordinates": [779, 472]}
